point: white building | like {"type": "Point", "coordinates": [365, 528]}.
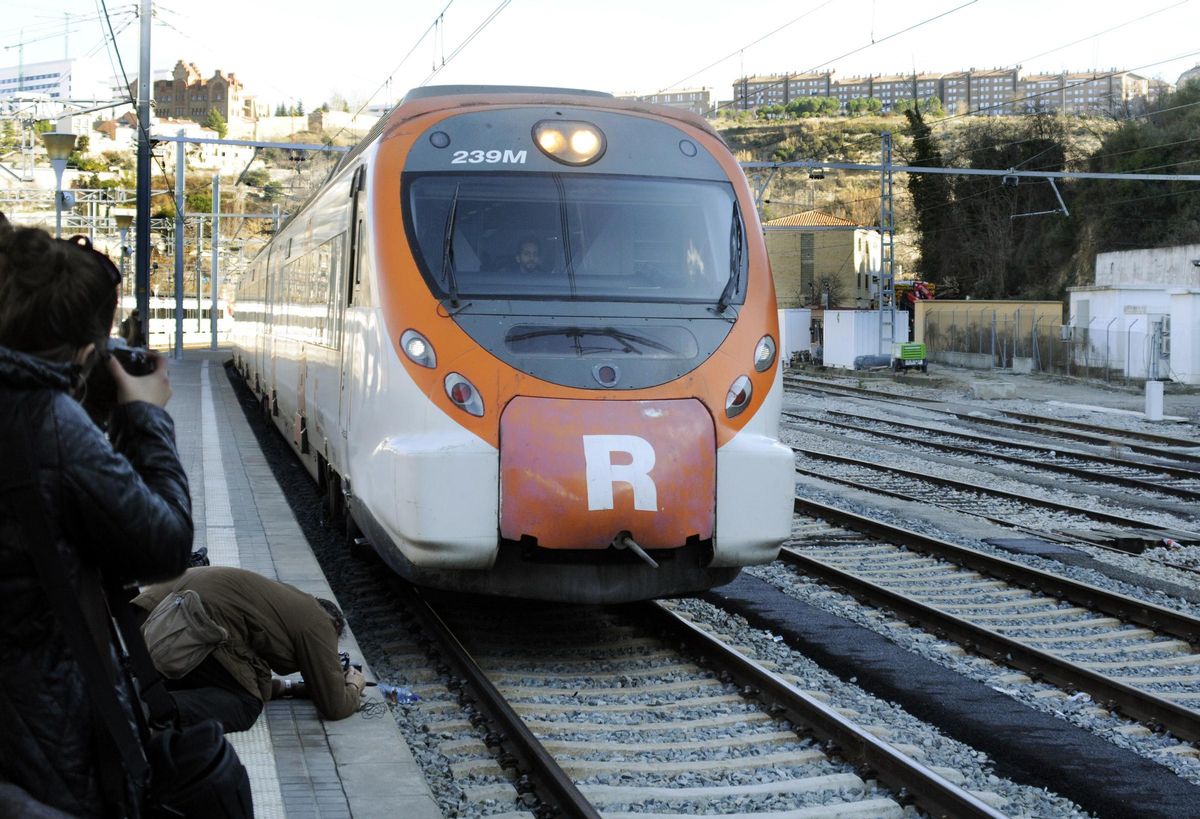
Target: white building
{"type": "Point", "coordinates": [77, 79]}
{"type": "Point", "coordinates": [1141, 315]}
{"type": "Point", "coordinates": [226, 159]}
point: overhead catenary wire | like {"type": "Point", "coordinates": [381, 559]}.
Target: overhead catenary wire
{"type": "Point", "coordinates": [738, 51]}
{"type": "Point", "coordinates": [387, 83]}
{"type": "Point", "coordinates": [143, 127]}
{"type": "Point", "coordinates": [433, 27]}
{"type": "Point", "coordinates": [873, 42]}
{"type": "Point", "coordinates": [1108, 30]}
{"type": "Point", "coordinates": [1051, 51]}
{"type": "Point", "coordinates": [478, 29]}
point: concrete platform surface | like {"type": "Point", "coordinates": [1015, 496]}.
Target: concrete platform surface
{"type": "Point", "coordinates": [301, 767]}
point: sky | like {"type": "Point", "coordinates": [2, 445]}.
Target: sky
{"type": "Point", "coordinates": [310, 51]}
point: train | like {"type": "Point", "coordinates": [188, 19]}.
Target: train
{"type": "Point", "coordinates": [525, 340]}
{"type": "Point", "coordinates": [197, 322]}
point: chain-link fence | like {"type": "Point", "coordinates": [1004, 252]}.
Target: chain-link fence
{"type": "Point", "coordinates": [1122, 349]}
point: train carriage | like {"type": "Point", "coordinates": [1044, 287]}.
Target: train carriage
{"type": "Point", "coordinates": [527, 339]}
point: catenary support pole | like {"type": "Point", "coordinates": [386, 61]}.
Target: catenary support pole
{"type": "Point", "coordinates": [214, 276]}
{"type": "Point", "coordinates": [142, 220]}
{"type": "Point", "coordinates": [179, 228]}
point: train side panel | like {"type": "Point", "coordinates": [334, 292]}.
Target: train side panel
{"type": "Point", "coordinates": [756, 480]}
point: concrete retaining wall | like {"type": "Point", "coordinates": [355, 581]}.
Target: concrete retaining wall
{"type": "Point", "coordinates": [973, 361]}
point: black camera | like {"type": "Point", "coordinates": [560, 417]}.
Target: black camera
{"type": "Point", "coordinates": [100, 395]}
{"type": "Point", "coordinates": [133, 360]}
{"type": "Point", "coordinates": [344, 656]}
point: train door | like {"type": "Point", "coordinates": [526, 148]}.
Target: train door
{"type": "Point", "coordinates": [263, 336]}
{"type": "Point", "coordinates": [352, 332]}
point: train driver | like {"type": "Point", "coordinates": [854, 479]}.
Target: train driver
{"type": "Point", "coordinates": [529, 256]}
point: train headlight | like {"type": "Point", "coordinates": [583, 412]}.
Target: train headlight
{"type": "Point", "coordinates": [764, 354]}
{"type": "Point", "coordinates": [738, 397]}
{"type": "Point", "coordinates": [418, 350]}
{"type": "Point", "coordinates": [571, 143]}
{"type": "Point", "coordinates": [464, 395]}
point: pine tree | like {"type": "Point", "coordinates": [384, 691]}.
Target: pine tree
{"type": "Point", "coordinates": [216, 122]}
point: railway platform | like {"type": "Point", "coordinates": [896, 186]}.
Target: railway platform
{"type": "Point", "coordinates": [300, 766]}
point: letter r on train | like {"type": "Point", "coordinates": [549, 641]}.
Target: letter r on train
{"type": "Point", "coordinates": [602, 473]}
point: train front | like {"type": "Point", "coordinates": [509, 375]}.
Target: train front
{"type": "Point", "coordinates": [579, 289]}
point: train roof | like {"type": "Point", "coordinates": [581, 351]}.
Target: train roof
{"type": "Point", "coordinates": [432, 92]}
{"type": "Point", "coordinates": [427, 91]}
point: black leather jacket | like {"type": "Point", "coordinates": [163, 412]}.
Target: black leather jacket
{"type": "Point", "coordinates": [120, 509]}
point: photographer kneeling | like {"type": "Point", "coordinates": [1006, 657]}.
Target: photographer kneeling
{"type": "Point", "coordinates": [109, 513]}
{"type": "Point", "coordinates": [218, 632]}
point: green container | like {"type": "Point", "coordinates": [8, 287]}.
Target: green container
{"type": "Point", "coordinates": [908, 351]}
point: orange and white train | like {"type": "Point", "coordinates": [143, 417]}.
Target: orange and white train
{"type": "Point", "coordinates": [526, 340]}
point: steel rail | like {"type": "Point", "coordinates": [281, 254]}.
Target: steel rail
{"type": "Point", "coordinates": [1173, 470]}
{"type": "Point", "coordinates": [1095, 438]}
{"type": "Point", "coordinates": [1133, 702]}
{"type": "Point", "coordinates": [1097, 477]}
{"type": "Point", "coordinates": [1049, 537]}
{"type": "Point", "coordinates": [1031, 421]}
{"type": "Point", "coordinates": [1083, 594]}
{"type": "Point", "coordinates": [1123, 521]}
{"type": "Point", "coordinates": [552, 784]}
{"type": "Point", "coordinates": [1151, 437]}
{"type": "Point", "coordinates": [1136, 703]}
{"type": "Point", "coordinates": [931, 792]}
{"type": "Point", "coordinates": [823, 386]}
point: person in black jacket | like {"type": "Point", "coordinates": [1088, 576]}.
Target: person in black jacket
{"type": "Point", "coordinates": [118, 511]}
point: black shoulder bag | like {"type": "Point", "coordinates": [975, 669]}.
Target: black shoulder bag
{"type": "Point", "coordinates": [193, 772]}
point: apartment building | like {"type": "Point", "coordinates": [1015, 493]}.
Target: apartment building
{"type": "Point", "coordinates": [893, 88]}
{"type": "Point", "coordinates": [780, 89]}
{"type": "Point", "coordinates": [696, 100]}
{"type": "Point", "coordinates": [1088, 92]}
{"type": "Point", "coordinates": [852, 88]}
{"type": "Point", "coordinates": [990, 92]}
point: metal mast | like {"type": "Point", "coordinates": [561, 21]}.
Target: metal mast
{"type": "Point", "coordinates": [142, 223]}
{"type": "Point", "coordinates": [887, 228]}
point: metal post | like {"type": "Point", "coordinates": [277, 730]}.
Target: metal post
{"type": "Point", "coordinates": [1107, 349]}
{"type": "Point", "coordinates": [887, 226]}
{"type": "Point", "coordinates": [179, 228]}
{"type": "Point", "coordinates": [1129, 350]}
{"type": "Point", "coordinates": [142, 260]}
{"type": "Point", "coordinates": [60, 165]}
{"type": "Point", "coordinates": [214, 276]}
{"type": "Point", "coordinates": [1034, 352]}
{"type": "Point", "coordinates": [993, 350]}
{"type": "Point", "coordinates": [199, 273]}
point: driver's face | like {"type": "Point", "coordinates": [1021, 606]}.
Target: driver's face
{"type": "Point", "coordinates": [529, 258]}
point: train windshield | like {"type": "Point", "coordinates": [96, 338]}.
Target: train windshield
{"type": "Point", "coordinates": [586, 237]}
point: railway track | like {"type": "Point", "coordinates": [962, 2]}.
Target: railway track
{"type": "Point", "coordinates": [1133, 656]}
{"type": "Point", "coordinates": [593, 696]}
{"type": "Point", "coordinates": [1154, 479]}
{"type": "Point", "coordinates": [1123, 531]}
{"type": "Point", "coordinates": [1176, 448]}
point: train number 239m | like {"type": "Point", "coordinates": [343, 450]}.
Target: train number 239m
{"type": "Point", "coordinates": [492, 157]}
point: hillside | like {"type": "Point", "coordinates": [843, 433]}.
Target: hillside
{"type": "Point", "coordinates": [984, 206]}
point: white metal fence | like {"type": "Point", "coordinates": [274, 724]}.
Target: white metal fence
{"type": "Point", "coordinates": [1123, 349]}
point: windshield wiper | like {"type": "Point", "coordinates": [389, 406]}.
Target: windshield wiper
{"type": "Point", "coordinates": [579, 333]}
{"type": "Point", "coordinates": [448, 250]}
{"type": "Point", "coordinates": [735, 260]}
